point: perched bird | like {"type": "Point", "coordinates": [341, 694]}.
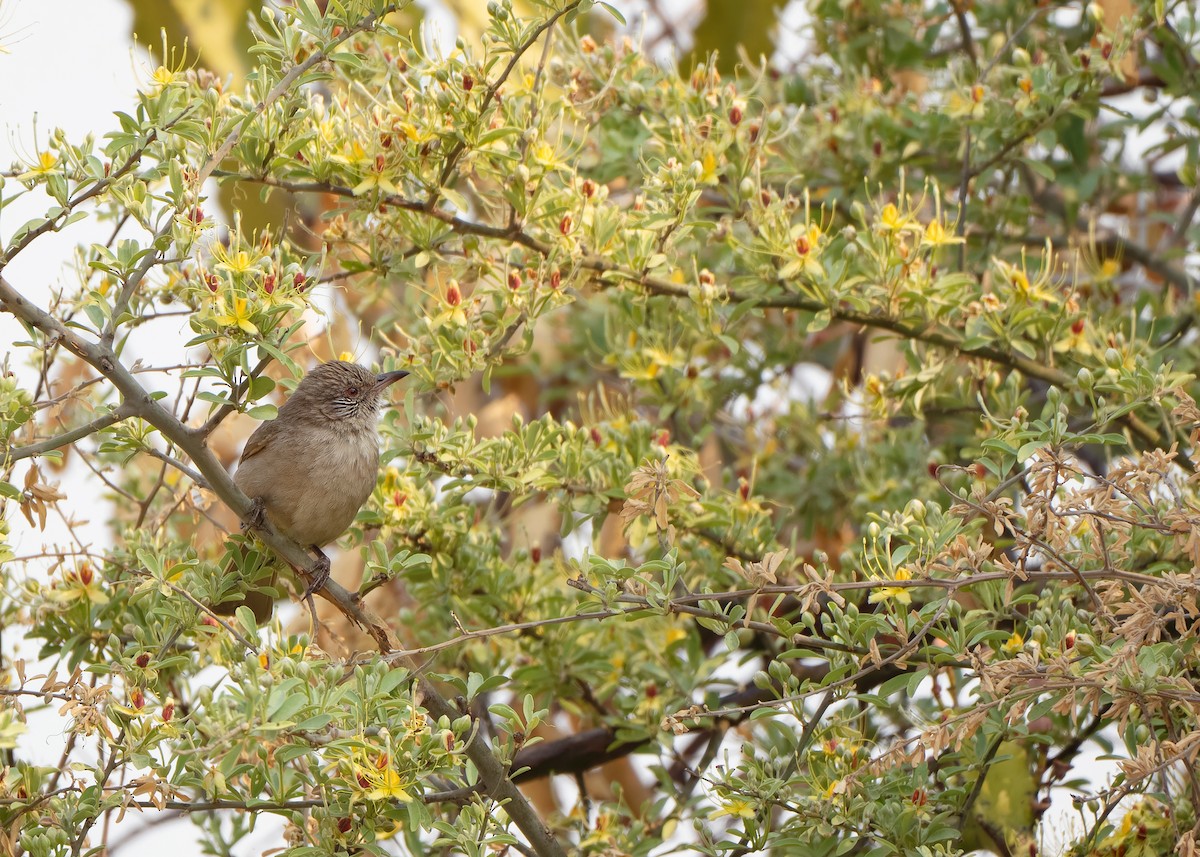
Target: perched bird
{"type": "Point", "coordinates": [311, 468]}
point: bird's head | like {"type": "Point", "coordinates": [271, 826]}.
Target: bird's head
{"type": "Point", "coordinates": [341, 391]}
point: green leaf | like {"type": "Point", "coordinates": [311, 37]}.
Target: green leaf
{"type": "Point", "coordinates": [612, 10]}
{"type": "Point", "coordinates": [264, 412]}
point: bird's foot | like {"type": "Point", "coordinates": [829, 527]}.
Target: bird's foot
{"type": "Point", "coordinates": [318, 575]}
{"type": "Point", "coordinates": [256, 517]}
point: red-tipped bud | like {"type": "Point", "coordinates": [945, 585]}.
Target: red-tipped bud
{"type": "Point", "coordinates": [514, 280]}
{"type": "Point", "coordinates": [735, 114]}
{"type": "Point", "coordinates": [380, 163]}
{"type": "Point", "coordinates": [399, 499]}
{"type": "Point", "coordinates": [664, 438]}
{"type": "Point", "coordinates": [743, 488]}
{"type": "Point", "coordinates": [453, 295]}
{"type": "Point", "coordinates": [1077, 326]}
{"type": "Point", "coordinates": [555, 279]}
{"type": "Point", "coordinates": [566, 224]}
{"type": "Point", "coordinates": [86, 575]}
{"type": "Point", "coordinates": [1069, 640]}
{"type": "Point", "coordinates": [137, 699]}
{"type": "Point", "coordinates": [588, 188]}
{"type": "Point", "coordinates": [595, 435]}
{"type": "Point", "coordinates": [802, 245]}
{"type": "Point", "coordinates": [298, 282]}
{"type": "Point", "coordinates": [535, 553]}
{"type": "Point", "coordinates": [468, 83]}
{"type": "Point", "coordinates": [168, 711]}
{"type": "Point", "coordinates": [143, 660]}
{"type": "Point", "coordinates": [344, 824]}
{"type": "Point", "coordinates": [212, 282]}
{"type": "Point", "coordinates": [269, 284]}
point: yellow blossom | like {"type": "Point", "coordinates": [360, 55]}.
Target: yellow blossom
{"type": "Point", "coordinates": [896, 593]}
{"type": "Point", "coordinates": [77, 588]}
{"type": "Point", "coordinates": [892, 220]}
{"type": "Point", "coordinates": [937, 236]}
{"type": "Point", "coordinates": [47, 164]}
{"type": "Point", "coordinates": [383, 784]}
{"type": "Point", "coordinates": [238, 317]}
{"type": "Point", "coordinates": [162, 77]}
{"type": "Point", "coordinates": [737, 807]}
{"type": "Point", "coordinates": [1015, 644]}
{"type": "Point", "coordinates": [240, 262]}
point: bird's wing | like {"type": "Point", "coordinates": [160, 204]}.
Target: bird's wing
{"type": "Point", "coordinates": [259, 440]}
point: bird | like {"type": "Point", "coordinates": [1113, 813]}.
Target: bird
{"type": "Point", "coordinates": [309, 470]}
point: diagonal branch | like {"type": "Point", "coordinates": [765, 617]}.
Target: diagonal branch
{"type": "Point", "coordinates": [142, 404]}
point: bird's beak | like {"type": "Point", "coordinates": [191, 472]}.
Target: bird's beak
{"type": "Point", "coordinates": [382, 382]}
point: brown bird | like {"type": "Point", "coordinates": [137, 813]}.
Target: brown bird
{"type": "Point", "coordinates": [311, 468]}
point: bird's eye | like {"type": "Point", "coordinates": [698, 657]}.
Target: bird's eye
{"type": "Point", "coordinates": [352, 391]}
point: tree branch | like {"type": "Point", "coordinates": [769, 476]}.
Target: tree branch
{"type": "Point", "coordinates": [141, 404]}
{"type": "Point", "coordinates": [41, 447]}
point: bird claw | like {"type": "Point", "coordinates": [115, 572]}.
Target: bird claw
{"type": "Point", "coordinates": [318, 575]}
{"type": "Point", "coordinates": [256, 516]}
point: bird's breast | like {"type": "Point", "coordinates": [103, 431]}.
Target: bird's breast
{"type": "Point", "coordinates": [322, 479]}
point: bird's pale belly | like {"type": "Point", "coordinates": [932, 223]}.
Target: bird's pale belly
{"type": "Point", "coordinates": [330, 475]}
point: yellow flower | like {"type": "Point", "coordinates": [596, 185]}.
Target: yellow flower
{"type": "Point", "coordinates": [1108, 269]}
{"type": "Point", "coordinates": [239, 317]}
{"type": "Point", "coordinates": [162, 77]}
{"type": "Point", "coordinates": [737, 807]}
{"type": "Point", "coordinates": [937, 236]}
{"type": "Point", "coordinates": [81, 585]}
{"type": "Point", "coordinates": [1015, 644]}
{"type": "Point", "coordinates": [890, 217]}
{"type": "Point", "coordinates": [1023, 288]}
{"type": "Point", "coordinates": [384, 784]}
{"type": "Point", "coordinates": [238, 263]}
{"type": "Point", "coordinates": [47, 164]}
{"type": "Point", "coordinates": [675, 634]}
{"type": "Point", "coordinates": [896, 593]}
